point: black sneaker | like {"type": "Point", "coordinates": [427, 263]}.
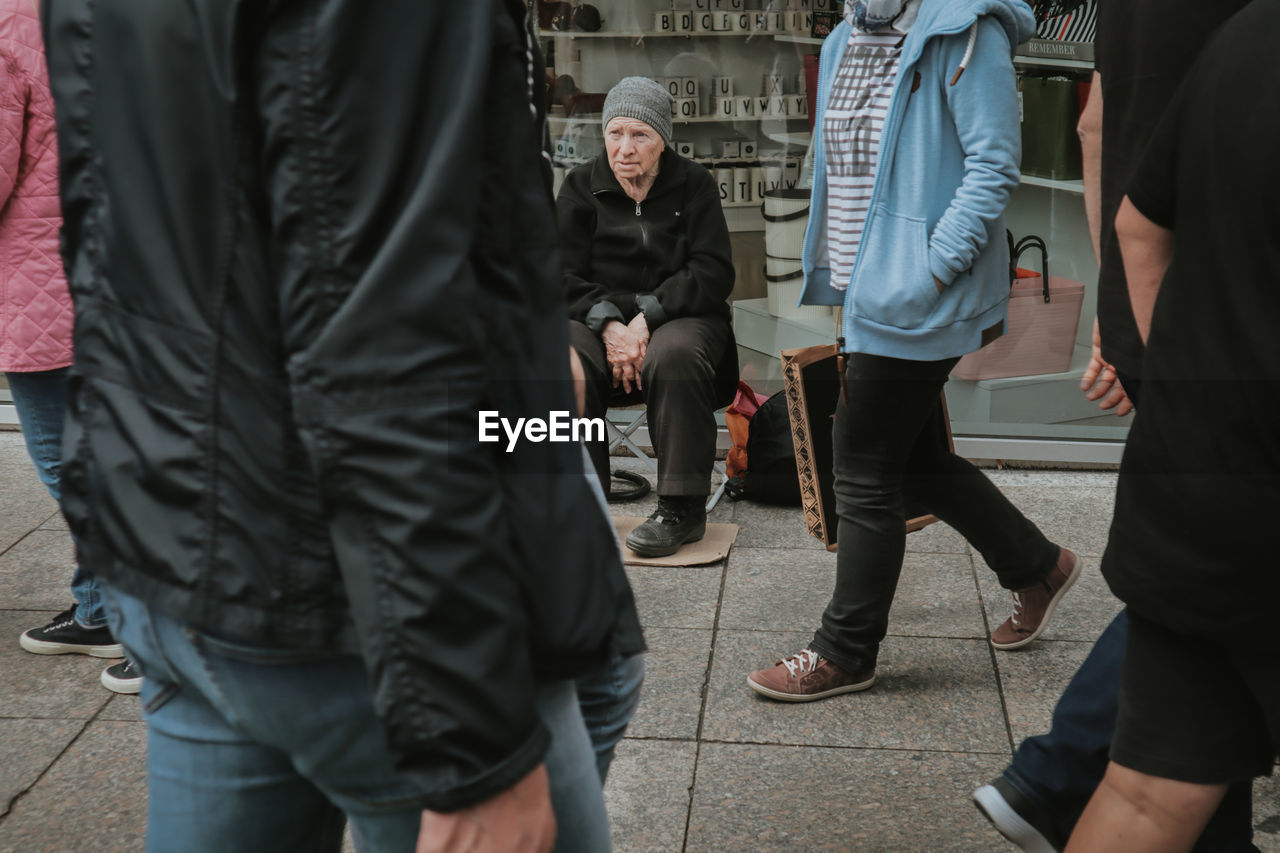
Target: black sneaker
{"type": "Point", "coordinates": [677, 520]}
{"type": "Point", "coordinates": [122, 677]}
{"type": "Point", "coordinates": [65, 636]}
{"type": "Point", "coordinates": [1018, 818]}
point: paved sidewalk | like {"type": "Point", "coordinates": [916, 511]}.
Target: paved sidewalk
{"type": "Point", "coordinates": [707, 765]}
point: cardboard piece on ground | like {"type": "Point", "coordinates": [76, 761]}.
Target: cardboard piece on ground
{"type": "Point", "coordinates": [712, 548]}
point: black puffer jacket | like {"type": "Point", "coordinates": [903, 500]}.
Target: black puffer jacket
{"type": "Point", "coordinates": [291, 306]}
{"type": "Point", "coordinates": [668, 256]}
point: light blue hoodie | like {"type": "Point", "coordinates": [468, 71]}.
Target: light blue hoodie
{"type": "Point", "coordinates": [949, 158]}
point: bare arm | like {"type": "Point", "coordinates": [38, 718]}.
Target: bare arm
{"type": "Point", "coordinates": [1147, 249]}
{"type": "Point", "coordinates": [1089, 130]}
{"type": "Point", "coordinates": [1099, 380]}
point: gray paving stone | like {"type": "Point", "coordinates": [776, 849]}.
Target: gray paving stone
{"type": "Point", "coordinates": [1049, 479]}
{"type": "Point", "coordinates": [29, 747]}
{"type": "Point", "coordinates": [25, 508]}
{"type": "Point", "coordinates": [675, 673]}
{"type": "Point", "coordinates": [1266, 814]}
{"type": "Point", "coordinates": [778, 798]}
{"type": "Point", "coordinates": [63, 687]}
{"type": "Point", "coordinates": [937, 538]}
{"type": "Point", "coordinates": [764, 526]}
{"type": "Point", "coordinates": [36, 572]}
{"type": "Point", "coordinates": [683, 597]}
{"type": "Point", "coordinates": [774, 590]}
{"type": "Point", "coordinates": [93, 798]}
{"type": "Point", "coordinates": [648, 795]}
{"type": "Point", "coordinates": [54, 522]}
{"type": "Point", "coordinates": [122, 708]}
{"type": "Point", "coordinates": [930, 694]}
{"type": "Point", "coordinates": [1074, 516]}
{"type": "Point", "coordinates": [1033, 679]}
{"type": "Point", "coordinates": [1082, 614]}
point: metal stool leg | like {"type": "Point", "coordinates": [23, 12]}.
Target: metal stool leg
{"type": "Point", "coordinates": [718, 467]}
{"type": "Point", "coordinates": [622, 435]}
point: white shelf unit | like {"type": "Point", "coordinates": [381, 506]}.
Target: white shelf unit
{"type": "Point", "coordinates": [1051, 62]}
{"type": "Point", "coordinates": [796, 38]}
{"type": "Point", "coordinates": [1076, 187]}
{"type": "Point", "coordinates": [640, 35]}
{"type": "Point", "coordinates": [594, 118]}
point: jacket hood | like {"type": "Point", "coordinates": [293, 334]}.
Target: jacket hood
{"type": "Point", "coordinates": [953, 16]}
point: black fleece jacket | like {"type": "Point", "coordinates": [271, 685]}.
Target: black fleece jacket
{"type": "Point", "coordinates": [668, 256]}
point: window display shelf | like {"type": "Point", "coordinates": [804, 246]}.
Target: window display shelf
{"type": "Point", "coordinates": [594, 118]}
{"type": "Point", "coordinates": [796, 38]}
{"type": "Point", "coordinates": [663, 34]}
{"type": "Point", "coordinates": [1076, 187]}
{"type": "Point", "coordinates": [1051, 62]}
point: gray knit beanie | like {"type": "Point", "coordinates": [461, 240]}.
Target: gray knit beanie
{"type": "Point", "coordinates": [643, 99]}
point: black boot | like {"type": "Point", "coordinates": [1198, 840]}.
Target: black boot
{"type": "Point", "coordinates": [677, 520]}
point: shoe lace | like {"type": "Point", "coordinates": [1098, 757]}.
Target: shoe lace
{"type": "Point", "coordinates": [64, 618]}
{"type": "Point", "coordinates": [667, 513]}
{"type": "Point", "coordinates": [1017, 610]}
{"type": "Point", "coordinates": [801, 662]}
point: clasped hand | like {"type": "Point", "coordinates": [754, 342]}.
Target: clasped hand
{"type": "Point", "coordinates": [625, 347]}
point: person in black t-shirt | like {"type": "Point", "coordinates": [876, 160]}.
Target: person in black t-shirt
{"type": "Point", "coordinates": [1200, 700]}
{"type": "Point", "coordinates": [1144, 48]}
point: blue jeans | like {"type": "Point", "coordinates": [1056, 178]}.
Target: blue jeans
{"type": "Point", "coordinates": [41, 401]}
{"type": "Point", "coordinates": [267, 749]}
{"type": "Point", "coordinates": [608, 698]}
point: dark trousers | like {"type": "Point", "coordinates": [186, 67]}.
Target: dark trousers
{"type": "Point", "coordinates": [679, 391]}
{"type": "Point", "coordinates": [888, 455]}
{"type": "Point", "coordinates": [1061, 768]}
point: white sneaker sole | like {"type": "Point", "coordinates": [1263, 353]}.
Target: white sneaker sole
{"type": "Point", "coordinates": [1048, 613]}
{"type": "Point", "coordinates": [1009, 822]}
{"type": "Point", "coordinates": [44, 647]}
{"type": "Point", "coordinates": [128, 686]}
{"type": "Point", "coordinates": [809, 697]}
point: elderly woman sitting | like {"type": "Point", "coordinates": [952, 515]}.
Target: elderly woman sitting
{"type": "Point", "coordinates": [648, 271]}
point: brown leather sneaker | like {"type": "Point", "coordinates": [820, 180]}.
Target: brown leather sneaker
{"type": "Point", "coordinates": [806, 676]}
{"type": "Point", "coordinates": [1033, 607]}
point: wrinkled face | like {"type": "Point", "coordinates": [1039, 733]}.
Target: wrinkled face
{"type": "Point", "coordinates": [633, 148]}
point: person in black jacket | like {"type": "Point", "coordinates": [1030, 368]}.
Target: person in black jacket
{"type": "Point", "coordinates": [648, 272]}
{"type": "Point", "coordinates": [309, 242]}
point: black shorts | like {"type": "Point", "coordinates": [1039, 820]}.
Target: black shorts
{"type": "Point", "coordinates": [1196, 712]}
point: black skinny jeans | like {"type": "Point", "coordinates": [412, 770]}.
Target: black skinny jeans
{"type": "Point", "coordinates": [889, 455]}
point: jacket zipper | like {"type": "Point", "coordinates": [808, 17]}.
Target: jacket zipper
{"type": "Point", "coordinates": [889, 142]}
{"type": "Point", "coordinates": [644, 244]}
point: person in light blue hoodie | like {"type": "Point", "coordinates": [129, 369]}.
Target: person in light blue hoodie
{"type": "Point", "coordinates": [917, 149]}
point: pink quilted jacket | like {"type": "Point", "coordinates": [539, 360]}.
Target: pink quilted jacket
{"type": "Point", "coordinates": [35, 308]}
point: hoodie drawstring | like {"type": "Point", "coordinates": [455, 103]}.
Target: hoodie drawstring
{"type": "Point", "coordinates": [968, 53]}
